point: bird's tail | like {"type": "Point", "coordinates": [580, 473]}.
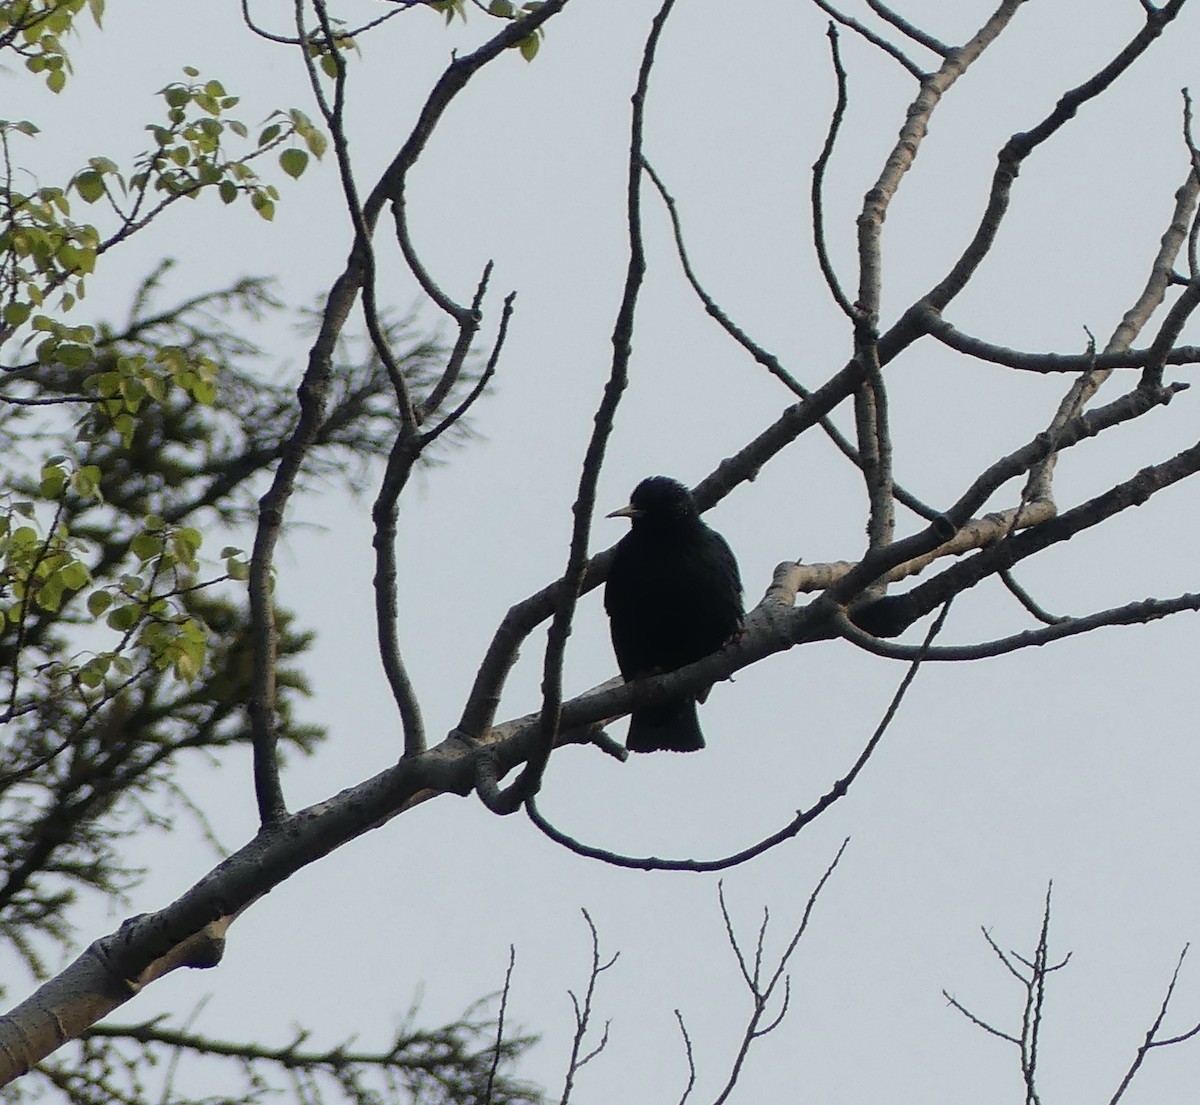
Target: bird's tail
{"type": "Point", "coordinates": [668, 727]}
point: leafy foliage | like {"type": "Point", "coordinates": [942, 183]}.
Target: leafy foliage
{"type": "Point", "coordinates": [121, 649]}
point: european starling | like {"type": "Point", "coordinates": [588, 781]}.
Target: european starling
{"type": "Point", "coordinates": [673, 596]}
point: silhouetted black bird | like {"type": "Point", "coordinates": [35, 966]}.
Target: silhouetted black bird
{"type": "Point", "coordinates": [673, 596]}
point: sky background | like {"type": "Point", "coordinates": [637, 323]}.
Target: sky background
{"type": "Point", "coordinates": [1077, 762]}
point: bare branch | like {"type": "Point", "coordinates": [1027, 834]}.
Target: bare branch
{"type": "Point", "coordinates": [874, 39]}
{"type": "Point", "coordinates": [760, 995]}
{"type": "Point", "coordinates": [313, 392]}
{"type": "Point", "coordinates": [1133, 321]}
{"type": "Point", "coordinates": [765, 358]}
{"type": "Point", "coordinates": [1034, 985]}
{"type": "Point", "coordinates": [818, 180]}
{"type": "Point", "coordinates": [529, 781]}
{"type": "Point", "coordinates": [1022, 144]}
{"type": "Point", "coordinates": [1151, 1040]}
{"type": "Point", "coordinates": [955, 1003]}
{"type": "Point", "coordinates": [768, 360]}
{"type": "Point", "coordinates": [948, 335]}
{"type": "Point", "coordinates": [910, 29]}
{"type": "Point", "coordinates": [1132, 492]}
{"type": "Point", "coordinates": [904, 153]}
{"type": "Point", "coordinates": [496, 1052]}
{"type": "Point", "coordinates": [691, 1059]}
{"type": "Point", "coordinates": [583, 1014]}
{"type": "Point", "coordinates": [1027, 600]}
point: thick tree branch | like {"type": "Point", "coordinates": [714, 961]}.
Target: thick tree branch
{"type": "Point", "coordinates": [313, 392]}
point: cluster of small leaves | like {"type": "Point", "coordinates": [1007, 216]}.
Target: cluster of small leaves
{"type": "Point", "coordinates": [506, 9]}
{"type": "Point", "coordinates": [127, 381]}
{"type": "Point", "coordinates": [38, 571]}
{"type": "Point", "coordinates": [190, 153]}
{"type": "Point", "coordinates": [35, 29]}
{"type": "Point", "coordinates": [501, 9]}
{"type": "Point", "coordinates": [330, 55]}
{"type": "Point", "coordinates": [109, 543]}
{"type": "Point", "coordinates": [98, 726]}
{"type": "Point", "coordinates": [294, 124]}
{"type": "Point", "coordinates": [156, 619]}
{"type": "Point", "coordinates": [41, 247]}
{"type": "Point", "coordinates": [450, 8]}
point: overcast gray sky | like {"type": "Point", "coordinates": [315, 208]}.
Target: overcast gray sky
{"type": "Point", "coordinates": [1076, 762]}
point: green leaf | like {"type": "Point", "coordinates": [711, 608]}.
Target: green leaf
{"type": "Point", "coordinates": [75, 576]}
{"type": "Point", "coordinates": [56, 80]}
{"type": "Point", "coordinates": [86, 481]}
{"type": "Point", "coordinates": [501, 8]}
{"type": "Point", "coordinates": [126, 427]}
{"type": "Point", "coordinates": [293, 162]}
{"type": "Point", "coordinates": [91, 675]}
{"type": "Point", "coordinates": [123, 617]}
{"type": "Point", "coordinates": [145, 546]}
{"type": "Point", "coordinates": [205, 391]}
{"type": "Point", "coordinates": [16, 313]}
{"type": "Point", "coordinates": [529, 46]}
{"type": "Point", "coordinates": [98, 602]}
{"type": "Point", "coordinates": [262, 204]}
{"type": "Point", "coordinates": [90, 185]}
{"type": "Point", "coordinates": [316, 142]}
{"type": "Point", "coordinates": [50, 594]}
{"type": "Point", "coordinates": [54, 479]}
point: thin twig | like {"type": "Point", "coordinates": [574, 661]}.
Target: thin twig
{"type": "Point", "coordinates": [803, 817]}
{"type": "Point", "coordinates": [910, 29]}
{"type": "Point", "coordinates": [583, 1014]}
{"type": "Point", "coordinates": [529, 781]}
{"type": "Point", "coordinates": [760, 994]}
{"type": "Point", "coordinates": [874, 39]}
{"type": "Point", "coordinates": [1028, 601]}
{"type": "Point", "coordinates": [818, 179]}
{"type": "Point", "coordinates": [496, 1052]}
{"type": "Point", "coordinates": [691, 1059]}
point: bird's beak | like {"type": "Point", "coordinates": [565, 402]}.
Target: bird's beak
{"type": "Point", "coordinates": [624, 512]}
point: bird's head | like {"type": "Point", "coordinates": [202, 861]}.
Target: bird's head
{"type": "Point", "coordinates": [658, 498]}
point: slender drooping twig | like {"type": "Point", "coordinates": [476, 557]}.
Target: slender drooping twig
{"type": "Point", "coordinates": [802, 818]}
